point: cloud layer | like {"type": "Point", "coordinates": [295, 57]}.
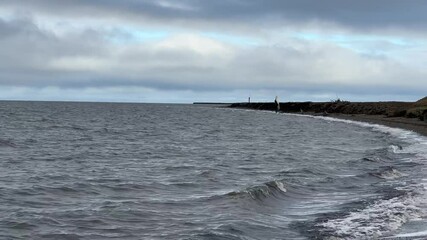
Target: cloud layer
{"type": "Point", "coordinates": [358, 49]}
{"type": "Point", "coordinates": [352, 14]}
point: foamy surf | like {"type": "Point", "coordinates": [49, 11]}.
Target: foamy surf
{"type": "Point", "coordinates": [397, 132]}
{"type": "Point", "coordinates": [376, 220]}
{"type": "Point", "coordinates": [384, 217]}
{"type": "Point", "coordinates": [415, 235]}
{"type": "Point", "coordinates": [389, 174]}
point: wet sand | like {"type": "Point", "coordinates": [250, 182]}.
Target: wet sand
{"type": "Point", "coordinates": [411, 124]}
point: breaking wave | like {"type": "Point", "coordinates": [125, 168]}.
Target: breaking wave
{"type": "Point", "coordinates": [376, 220]}
{"type": "Point", "coordinates": [259, 193]}
{"type": "Point", "coordinates": [389, 173]}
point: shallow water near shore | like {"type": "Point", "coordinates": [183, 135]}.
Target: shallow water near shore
{"type": "Point", "coordinates": [158, 171]}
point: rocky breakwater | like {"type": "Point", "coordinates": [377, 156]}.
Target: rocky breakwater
{"type": "Point", "coordinates": [389, 109]}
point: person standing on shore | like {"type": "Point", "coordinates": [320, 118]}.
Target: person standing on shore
{"type": "Point", "coordinates": [276, 102]}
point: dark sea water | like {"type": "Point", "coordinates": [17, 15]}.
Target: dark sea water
{"type": "Point", "coordinates": [156, 171]}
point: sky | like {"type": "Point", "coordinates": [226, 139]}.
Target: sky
{"type": "Point", "coordinates": [185, 51]}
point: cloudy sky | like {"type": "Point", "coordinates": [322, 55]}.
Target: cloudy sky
{"type": "Point", "coordinates": [223, 50]}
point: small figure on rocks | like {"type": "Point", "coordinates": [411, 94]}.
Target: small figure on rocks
{"type": "Point", "coordinates": [276, 101]}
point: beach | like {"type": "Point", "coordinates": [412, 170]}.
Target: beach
{"type": "Point", "coordinates": [410, 124]}
{"type": "Point", "coordinates": [404, 115]}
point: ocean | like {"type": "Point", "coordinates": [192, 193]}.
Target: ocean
{"type": "Point", "coordinates": [169, 171]}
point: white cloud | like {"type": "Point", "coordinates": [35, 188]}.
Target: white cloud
{"type": "Point", "coordinates": [193, 43]}
{"type": "Point", "coordinates": [53, 53]}
{"type": "Point", "coordinates": [79, 63]}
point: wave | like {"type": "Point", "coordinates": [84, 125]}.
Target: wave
{"type": "Point", "coordinates": [397, 132]}
{"type": "Point", "coordinates": [7, 143]}
{"type": "Point", "coordinates": [375, 220]}
{"type": "Point", "coordinates": [389, 173]}
{"type": "Point", "coordinates": [417, 144]}
{"type": "Point", "coordinates": [373, 159]}
{"type": "Point", "coordinates": [396, 148]}
{"type": "Point", "coordinates": [19, 225]}
{"type": "Point", "coordinates": [68, 127]}
{"type": "Point", "coordinates": [259, 193]}
{"type": "Point", "coordinates": [305, 171]}
{"type": "Point", "coordinates": [384, 216]}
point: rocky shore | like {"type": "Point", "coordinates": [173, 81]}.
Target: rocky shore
{"type": "Point", "coordinates": [407, 115]}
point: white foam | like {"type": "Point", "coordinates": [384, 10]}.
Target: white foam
{"type": "Point", "coordinates": [415, 234]}
{"type": "Point", "coordinates": [391, 174]}
{"type": "Point", "coordinates": [395, 149]}
{"type": "Point", "coordinates": [376, 220]}
{"type": "Point", "coordinates": [281, 186]}
{"type": "Point", "coordinates": [385, 216]}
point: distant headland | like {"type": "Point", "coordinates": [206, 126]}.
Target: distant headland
{"type": "Point", "coordinates": [407, 115]}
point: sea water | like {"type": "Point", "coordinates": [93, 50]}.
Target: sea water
{"type": "Point", "coordinates": [159, 171]}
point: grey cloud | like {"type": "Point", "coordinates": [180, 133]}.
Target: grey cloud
{"type": "Point", "coordinates": [354, 14]}
{"type": "Point", "coordinates": [25, 47]}
{"type": "Point", "coordinates": [34, 57]}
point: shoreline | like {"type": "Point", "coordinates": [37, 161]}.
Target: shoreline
{"type": "Point", "coordinates": [410, 124]}
{"type": "Point", "coordinates": [390, 114]}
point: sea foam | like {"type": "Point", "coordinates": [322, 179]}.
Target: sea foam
{"type": "Point", "coordinates": [386, 215]}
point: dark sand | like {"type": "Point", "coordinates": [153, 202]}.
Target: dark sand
{"type": "Point", "coordinates": [411, 124]}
